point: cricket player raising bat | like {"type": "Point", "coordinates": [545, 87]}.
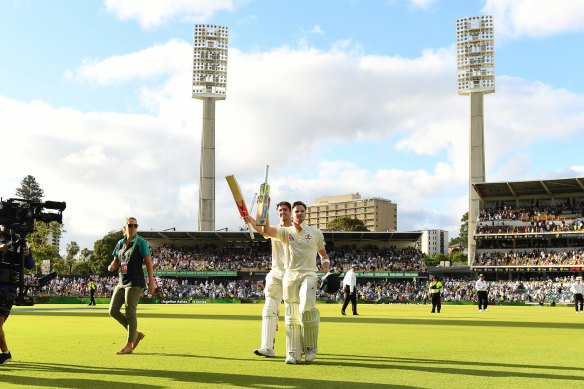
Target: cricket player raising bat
{"type": "Point", "coordinates": [273, 287]}
{"type": "Point", "coordinates": [300, 282]}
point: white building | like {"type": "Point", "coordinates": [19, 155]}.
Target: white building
{"type": "Point", "coordinates": [434, 242]}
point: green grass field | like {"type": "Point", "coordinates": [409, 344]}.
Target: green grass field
{"type": "Point", "coordinates": [211, 345]}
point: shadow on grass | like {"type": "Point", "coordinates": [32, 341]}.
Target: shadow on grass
{"type": "Point", "coordinates": [376, 358]}
{"type": "Point", "coordinates": [39, 382]}
{"type": "Point", "coordinates": [430, 321]}
{"type": "Point", "coordinates": [205, 378]}
{"type": "Point", "coordinates": [434, 366]}
{"type": "Point", "coordinates": [397, 363]}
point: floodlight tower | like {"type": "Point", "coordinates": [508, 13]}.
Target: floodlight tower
{"type": "Point", "coordinates": [209, 84]}
{"type": "Point", "coordinates": [475, 46]}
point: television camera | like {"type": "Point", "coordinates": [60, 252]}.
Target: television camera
{"type": "Point", "coordinates": [17, 217]}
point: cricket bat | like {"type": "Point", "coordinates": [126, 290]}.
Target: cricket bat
{"type": "Point", "coordinates": [263, 201]}
{"type": "Point", "coordinates": [239, 201]}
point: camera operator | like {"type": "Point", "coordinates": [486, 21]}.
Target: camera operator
{"type": "Point", "coordinates": [11, 255]}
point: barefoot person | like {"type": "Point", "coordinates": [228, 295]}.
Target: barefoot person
{"type": "Point", "coordinates": [130, 254]}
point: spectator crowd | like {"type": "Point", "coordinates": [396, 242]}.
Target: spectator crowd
{"type": "Point", "coordinates": [563, 257]}
{"type": "Point", "coordinates": [368, 290]}
{"type": "Point", "coordinates": [203, 258]}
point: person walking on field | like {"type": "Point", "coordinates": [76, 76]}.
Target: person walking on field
{"type": "Point", "coordinates": [482, 293]}
{"type": "Point", "coordinates": [91, 292]}
{"type": "Point", "coordinates": [435, 290]}
{"type": "Point", "coordinates": [130, 254]}
{"type": "Point", "coordinates": [273, 289]}
{"type": "Point", "coordinates": [350, 290]}
{"type": "Point", "coordinates": [578, 290]}
{"type": "Point", "coordinates": [300, 282]}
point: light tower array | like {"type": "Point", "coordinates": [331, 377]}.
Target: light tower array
{"type": "Point", "coordinates": [210, 44]}
{"type": "Point", "coordinates": [475, 46]}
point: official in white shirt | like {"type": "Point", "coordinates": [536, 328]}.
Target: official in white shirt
{"type": "Point", "coordinates": [350, 289]}
{"type": "Point", "coordinates": [482, 292]}
{"type": "Point", "coordinates": [578, 290]}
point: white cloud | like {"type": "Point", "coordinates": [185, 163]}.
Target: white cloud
{"type": "Point", "coordinates": [317, 30]}
{"type": "Point", "coordinates": [151, 62]}
{"type": "Point", "coordinates": [283, 107]}
{"type": "Point", "coordinates": [150, 14]}
{"type": "Point", "coordinates": [423, 4]}
{"type": "Point", "coordinates": [535, 18]}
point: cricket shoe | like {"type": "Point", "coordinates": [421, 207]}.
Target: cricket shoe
{"type": "Point", "coordinates": [5, 357]}
{"type": "Point", "coordinates": [310, 354]}
{"type": "Point", "coordinates": [265, 352]}
{"type": "Point", "coordinates": [291, 359]}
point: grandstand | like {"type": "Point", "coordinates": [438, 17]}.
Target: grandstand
{"type": "Point", "coordinates": [530, 229]}
{"type": "Point", "coordinates": [219, 254]}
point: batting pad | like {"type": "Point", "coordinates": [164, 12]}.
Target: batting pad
{"type": "Point", "coordinates": [269, 331]}
{"type": "Point", "coordinates": [310, 322]}
{"type": "Point", "coordinates": [293, 330]}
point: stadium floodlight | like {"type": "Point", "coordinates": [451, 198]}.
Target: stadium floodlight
{"type": "Point", "coordinates": [210, 44]}
{"type": "Point", "coordinates": [475, 46]}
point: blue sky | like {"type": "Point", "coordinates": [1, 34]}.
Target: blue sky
{"type": "Point", "coordinates": [337, 96]}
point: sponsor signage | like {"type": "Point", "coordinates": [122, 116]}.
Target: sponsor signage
{"type": "Point", "coordinates": [522, 269]}
{"type": "Point", "coordinates": [384, 274]}
{"type": "Point", "coordinates": [193, 273]}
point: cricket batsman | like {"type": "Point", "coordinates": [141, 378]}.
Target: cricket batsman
{"type": "Point", "coordinates": [273, 289]}
{"type": "Point", "coordinates": [300, 282]}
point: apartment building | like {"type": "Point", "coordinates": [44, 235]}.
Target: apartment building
{"type": "Point", "coordinates": [376, 213]}
{"type": "Point", "coordinates": [434, 242]}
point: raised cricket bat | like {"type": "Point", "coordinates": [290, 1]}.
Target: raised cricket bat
{"type": "Point", "coordinates": [263, 201]}
{"type": "Point", "coordinates": [239, 201]}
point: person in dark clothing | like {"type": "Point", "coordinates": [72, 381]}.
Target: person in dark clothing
{"type": "Point", "coordinates": [11, 258]}
{"type": "Point", "coordinates": [435, 290]}
{"type": "Point", "coordinates": [91, 292]}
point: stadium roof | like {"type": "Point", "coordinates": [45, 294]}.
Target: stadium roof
{"type": "Point", "coordinates": [530, 188]}
{"type": "Point", "coordinates": [233, 236]}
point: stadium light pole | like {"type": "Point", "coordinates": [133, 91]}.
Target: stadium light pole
{"type": "Point", "coordinates": [475, 46]}
{"type": "Point", "coordinates": [210, 43]}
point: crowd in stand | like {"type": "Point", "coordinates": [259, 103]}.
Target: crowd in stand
{"type": "Point", "coordinates": [373, 259]}
{"type": "Point", "coordinates": [380, 291]}
{"type": "Point", "coordinates": [538, 227]}
{"type": "Point", "coordinates": [565, 257]}
{"type": "Point", "coordinates": [531, 213]}
{"type": "Point", "coordinates": [202, 258]}
{"type": "Point", "coordinates": [244, 259]}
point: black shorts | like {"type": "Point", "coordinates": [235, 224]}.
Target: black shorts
{"type": "Point", "coordinates": [6, 302]}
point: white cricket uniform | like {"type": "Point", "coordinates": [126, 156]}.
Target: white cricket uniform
{"type": "Point", "coordinates": [273, 293]}
{"type": "Point", "coordinates": [273, 288]}
{"type": "Point", "coordinates": [301, 266]}
{"type": "Point", "coordinates": [300, 284]}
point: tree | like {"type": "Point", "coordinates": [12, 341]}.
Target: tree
{"type": "Point", "coordinates": [82, 268]}
{"type": "Point", "coordinates": [84, 254]}
{"type": "Point", "coordinates": [346, 223]}
{"type": "Point", "coordinates": [462, 239]}
{"type": "Point", "coordinates": [430, 261]}
{"type": "Point", "coordinates": [72, 250]}
{"type": "Point", "coordinates": [458, 257]}
{"type": "Point", "coordinates": [41, 246]}
{"type": "Point", "coordinates": [30, 190]}
{"type": "Point", "coordinates": [102, 251]}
